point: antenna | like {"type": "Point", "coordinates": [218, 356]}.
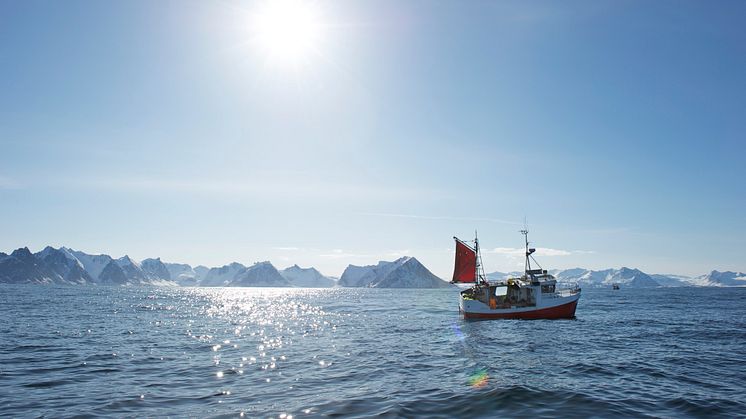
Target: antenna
{"type": "Point", "coordinates": [527, 264]}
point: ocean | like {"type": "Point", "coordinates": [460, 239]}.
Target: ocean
{"type": "Point", "coordinates": [231, 352]}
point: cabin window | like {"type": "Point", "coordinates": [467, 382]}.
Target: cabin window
{"type": "Point", "coordinates": [500, 291]}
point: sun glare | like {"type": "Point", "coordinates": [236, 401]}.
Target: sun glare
{"type": "Point", "coordinates": [287, 31]}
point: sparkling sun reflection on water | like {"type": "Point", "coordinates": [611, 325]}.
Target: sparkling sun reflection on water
{"type": "Point", "coordinates": [357, 352]}
{"type": "Point", "coordinates": [262, 346]}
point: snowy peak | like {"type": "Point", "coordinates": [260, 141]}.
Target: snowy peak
{"type": "Point", "coordinates": [184, 275]}
{"type": "Point", "coordinates": [632, 278]}
{"type": "Point", "coordinates": [132, 270]}
{"type": "Point", "coordinates": [261, 274]}
{"type": "Point", "coordinates": [406, 272]}
{"type": "Point", "coordinates": [21, 267]}
{"type": "Point", "coordinates": [722, 279]}
{"type": "Point", "coordinates": [155, 269]}
{"type": "Point", "coordinates": [624, 276]}
{"type": "Point", "coordinates": [306, 277]}
{"type": "Point", "coordinates": [49, 266]}
{"type": "Point", "coordinates": [354, 276]}
{"type": "Point", "coordinates": [410, 273]}
{"type": "Point", "coordinates": [126, 261]}
{"type": "Point", "coordinates": [93, 264]}
{"type": "Point", "coordinates": [22, 253]}
{"type": "Point", "coordinates": [112, 274]}
{"type": "Point", "coordinates": [222, 276]}
{"type": "Point", "coordinates": [66, 267]}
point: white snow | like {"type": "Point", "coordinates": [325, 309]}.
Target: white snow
{"type": "Point", "coordinates": [306, 277]}
{"type": "Point", "coordinates": [223, 276]}
{"type": "Point", "coordinates": [93, 264]}
{"type": "Point", "coordinates": [406, 272]}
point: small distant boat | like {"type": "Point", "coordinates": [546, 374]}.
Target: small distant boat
{"type": "Point", "coordinates": [534, 295]}
{"type": "Point", "coordinates": [615, 286]}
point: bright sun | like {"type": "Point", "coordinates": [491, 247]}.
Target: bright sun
{"type": "Point", "coordinates": [287, 31]}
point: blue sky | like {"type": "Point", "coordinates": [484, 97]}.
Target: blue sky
{"type": "Point", "coordinates": [163, 129]}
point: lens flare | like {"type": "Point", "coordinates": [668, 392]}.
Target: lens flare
{"type": "Point", "coordinates": [479, 379]}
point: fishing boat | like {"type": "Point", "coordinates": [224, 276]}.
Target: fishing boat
{"type": "Point", "coordinates": [533, 295]}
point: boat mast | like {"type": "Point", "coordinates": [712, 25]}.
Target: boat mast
{"type": "Point", "coordinates": [479, 269]}
{"type": "Point", "coordinates": [529, 251]}
{"type": "Point", "coordinates": [527, 264]}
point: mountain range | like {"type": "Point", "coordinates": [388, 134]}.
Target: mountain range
{"type": "Point", "coordinates": [635, 278]}
{"type": "Point", "coordinates": [68, 266]}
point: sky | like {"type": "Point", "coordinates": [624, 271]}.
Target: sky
{"type": "Point", "coordinates": [349, 132]}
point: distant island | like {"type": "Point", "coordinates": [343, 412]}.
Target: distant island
{"type": "Point", "coordinates": [71, 267]}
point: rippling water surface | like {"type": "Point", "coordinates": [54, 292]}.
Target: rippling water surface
{"type": "Point", "coordinates": [65, 351]}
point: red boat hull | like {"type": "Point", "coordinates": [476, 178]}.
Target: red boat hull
{"type": "Point", "coordinates": [564, 311]}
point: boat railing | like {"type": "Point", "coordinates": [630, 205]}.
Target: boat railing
{"type": "Point", "coordinates": [563, 293]}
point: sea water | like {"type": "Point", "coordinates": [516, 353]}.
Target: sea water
{"type": "Point", "coordinates": [227, 352]}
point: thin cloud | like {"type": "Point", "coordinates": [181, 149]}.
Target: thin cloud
{"type": "Point", "coordinates": [437, 217]}
{"type": "Point", "coordinates": [8, 183]}
{"type": "Point", "coordinates": [542, 251]}
{"type": "Point", "coordinates": [385, 255]}
{"type": "Point", "coordinates": [255, 185]}
{"type": "Point", "coordinates": [609, 231]}
{"type": "Point", "coordinates": [341, 254]}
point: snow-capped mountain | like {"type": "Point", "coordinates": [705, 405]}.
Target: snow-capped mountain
{"type": "Point", "coordinates": [112, 274]}
{"type": "Point", "coordinates": [307, 277]}
{"type": "Point", "coordinates": [353, 275]}
{"type": "Point", "coordinates": [155, 269]}
{"type": "Point", "coordinates": [406, 272]}
{"type": "Point", "coordinates": [627, 277]}
{"type": "Point", "coordinates": [589, 278]}
{"type": "Point", "coordinates": [126, 271]}
{"type": "Point", "coordinates": [721, 279]}
{"type": "Point", "coordinates": [50, 266]}
{"type": "Point", "coordinates": [132, 270]}
{"type": "Point", "coordinates": [222, 276]}
{"type": "Point", "coordinates": [185, 275]}
{"type": "Point", "coordinates": [635, 278]}
{"type": "Point", "coordinates": [260, 274]}
{"type": "Point", "coordinates": [22, 266]}
{"type": "Point", "coordinates": [93, 264]}
{"type": "Point", "coordinates": [66, 267]}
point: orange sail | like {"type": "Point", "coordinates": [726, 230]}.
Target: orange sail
{"type": "Point", "coordinates": [466, 263]}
